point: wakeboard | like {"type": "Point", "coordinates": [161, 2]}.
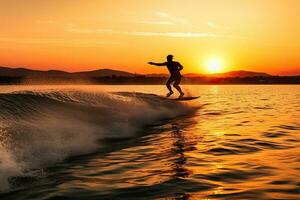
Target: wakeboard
{"type": "Point", "coordinates": [185, 98]}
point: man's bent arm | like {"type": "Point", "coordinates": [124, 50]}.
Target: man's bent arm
{"type": "Point", "coordinates": [180, 67]}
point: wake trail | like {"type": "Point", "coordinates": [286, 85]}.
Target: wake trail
{"type": "Point", "coordinates": [38, 129]}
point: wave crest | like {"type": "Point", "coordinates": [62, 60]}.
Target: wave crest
{"type": "Point", "coordinates": [38, 129]}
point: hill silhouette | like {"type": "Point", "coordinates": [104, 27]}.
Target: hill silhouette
{"type": "Point", "coordinates": [230, 74]}
{"type": "Point", "coordinates": [17, 72]}
{"type": "Point", "coordinates": [109, 76]}
{"type": "Point", "coordinates": [240, 73]}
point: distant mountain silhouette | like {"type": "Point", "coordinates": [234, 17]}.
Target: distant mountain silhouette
{"type": "Point", "coordinates": [104, 72]}
{"type": "Point", "coordinates": [24, 72]}
{"type": "Point", "coordinates": [17, 72]}
{"type": "Point", "coordinates": [109, 76]}
{"type": "Point", "coordinates": [193, 75]}
{"type": "Point", "coordinates": [231, 74]}
{"type": "Point", "coordinates": [157, 75]}
{"type": "Point", "coordinates": [240, 73]}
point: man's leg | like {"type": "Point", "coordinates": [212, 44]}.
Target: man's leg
{"type": "Point", "coordinates": [176, 85]}
{"type": "Point", "coordinates": [168, 84]}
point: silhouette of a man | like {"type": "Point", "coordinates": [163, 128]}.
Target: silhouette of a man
{"type": "Point", "coordinates": [175, 76]}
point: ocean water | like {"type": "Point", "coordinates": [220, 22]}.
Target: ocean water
{"type": "Point", "coordinates": [127, 142]}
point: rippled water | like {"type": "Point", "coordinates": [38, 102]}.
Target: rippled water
{"type": "Point", "coordinates": [242, 143]}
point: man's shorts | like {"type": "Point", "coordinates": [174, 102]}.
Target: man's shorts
{"type": "Point", "coordinates": [176, 78]}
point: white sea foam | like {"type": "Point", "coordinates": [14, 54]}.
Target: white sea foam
{"type": "Point", "coordinates": [38, 129]}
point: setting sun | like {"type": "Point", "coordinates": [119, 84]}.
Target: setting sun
{"type": "Point", "coordinates": [214, 65]}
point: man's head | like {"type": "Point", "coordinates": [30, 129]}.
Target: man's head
{"type": "Point", "coordinates": [169, 57]}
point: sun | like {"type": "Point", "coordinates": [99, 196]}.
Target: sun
{"type": "Point", "coordinates": [214, 65]}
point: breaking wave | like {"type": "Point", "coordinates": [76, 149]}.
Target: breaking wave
{"type": "Point", "coordinates": [40, 128]}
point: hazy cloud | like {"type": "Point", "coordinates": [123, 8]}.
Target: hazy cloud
{"type": "Point", "coordinates": [216, 26]}
{"type": "Point", "coordinates": [155, 22]}
{"type": "Point", "coordinates": [71, 25]}
{"type": "Point", "coordinates": [144, 33]}
{"type": "Point", "coordinates": [169, 17]}
{"type": "Point", "coordinates": [174, 34]}
{"type": "Point", "coordinates": [211, 24]}
{"type": "Point", "coordinates": [56, 41]}
{"type": "Point", "coordinates": [164, 19]}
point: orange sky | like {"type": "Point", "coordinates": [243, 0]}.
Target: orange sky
{"type": "Point", "coordinates": [74, 35]}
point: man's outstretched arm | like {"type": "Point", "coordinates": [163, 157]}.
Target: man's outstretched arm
{"type": "Point", "coordinates": [157, 64]}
